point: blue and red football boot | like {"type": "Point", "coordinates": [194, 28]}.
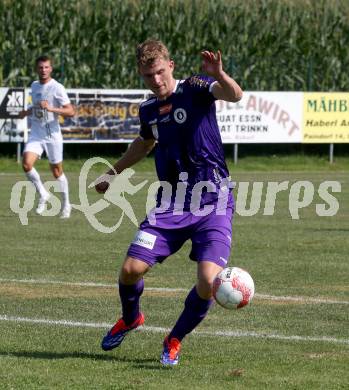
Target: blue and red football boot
{"type": "Point", "coordinates": [118, 332]}
{"type": "Point", "coordinates": [170, 353]}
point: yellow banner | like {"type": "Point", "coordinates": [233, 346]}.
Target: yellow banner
{"type": "Point", "coordinates": [325, 117]}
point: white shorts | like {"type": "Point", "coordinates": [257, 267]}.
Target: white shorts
{"type": "Point", "coordinates": [52, 148]}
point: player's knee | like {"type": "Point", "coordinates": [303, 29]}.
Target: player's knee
{"type": "Point", "coordinates": [57, 172]}
{"type": "Point", "coordinates": [207, 272]}
{"type": "Point", "coordinates": [27, 167]}
{"type": "Point", "coordinates": [204, 288]}
{"type": "Point", "coordinates": [132, 271]}
{"type": "Point", "coordinates": [129, 276]}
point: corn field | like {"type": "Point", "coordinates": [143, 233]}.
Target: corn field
{"type": "Point", "coordinates": [266, 44]}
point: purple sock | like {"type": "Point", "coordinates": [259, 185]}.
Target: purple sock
{"type": "Point", "coordinates": [195, 310]}
{"type": "Point", "coordinates": [130, 295]}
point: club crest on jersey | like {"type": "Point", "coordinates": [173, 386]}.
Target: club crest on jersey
{"type": "Point", "coordinates": [180, 115]}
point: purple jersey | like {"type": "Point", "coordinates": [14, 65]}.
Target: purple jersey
{"type": "Point", "coordinates": [188, 137]}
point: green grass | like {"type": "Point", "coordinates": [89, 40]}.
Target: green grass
{"type": "Point", "coordinates": [305, 258]}
{"type": "Point", "coordinates": [245, 164]}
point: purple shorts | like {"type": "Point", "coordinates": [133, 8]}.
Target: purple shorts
{"type": "Point", "coordinates": [210, 236]}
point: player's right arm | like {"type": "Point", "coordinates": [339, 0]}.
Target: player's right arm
{"type": "Point", "coordinates": [137, 150]}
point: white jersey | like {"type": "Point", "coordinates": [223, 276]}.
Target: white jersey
{"type": "Point", "coordinates": [45, 124]}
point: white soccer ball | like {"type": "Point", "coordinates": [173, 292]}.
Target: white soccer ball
{"type": "Point", "coordinates": [233, 288]}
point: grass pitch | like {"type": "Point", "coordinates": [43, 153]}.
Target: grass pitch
{"type": "Point", "coordinates": [57, 295]}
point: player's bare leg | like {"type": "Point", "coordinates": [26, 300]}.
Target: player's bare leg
{"type": "Point", "coordinates": [28, 161]}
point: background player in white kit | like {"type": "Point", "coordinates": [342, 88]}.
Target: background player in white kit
{"type": "Point", "coordinates": [49, 99]}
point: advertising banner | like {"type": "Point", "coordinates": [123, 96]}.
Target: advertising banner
{"type": "Point", "coordinates": [326, 118]}
{"type": "Point", "coordinates": [103, 115]}
{"type": "Point", "coordinates": [12, 102]}
{"type": "Point", "coordinates": [262, 117]}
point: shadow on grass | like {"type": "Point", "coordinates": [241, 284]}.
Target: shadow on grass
{"type": "Point", "coordinates": [140, 363]}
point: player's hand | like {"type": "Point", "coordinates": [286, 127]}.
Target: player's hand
{"type": "Point", "coordinates": [212, 63]}
{"type": "Point", "coordinates": [102, 187]}
{"type": "Point", "coordinates": [22, 114]}
{"type": "Point", "coordinates": [44, 105]}
{"type": "Point", "coordinates": [101, 184]}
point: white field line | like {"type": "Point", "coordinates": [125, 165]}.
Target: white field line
{"type": "Point", "coordinates": [136, 175]}
{"type": "Point", "coordinates": [156, 329]}
{"type": "Point", "coordinates": [84, 284]}
{"type": "Point", "coordinates": [152, 173]}
{"type": "Point", "coordinates": [165, 289]}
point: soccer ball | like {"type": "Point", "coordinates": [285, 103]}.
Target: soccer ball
{"type": "Point", "coordinates": [233, 288]}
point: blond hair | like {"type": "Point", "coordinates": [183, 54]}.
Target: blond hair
{"type": "Point", "coordinates": [151, 50]}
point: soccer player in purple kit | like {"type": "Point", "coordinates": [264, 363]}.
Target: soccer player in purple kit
{"type": "Point", "coordinates": [180, 122]}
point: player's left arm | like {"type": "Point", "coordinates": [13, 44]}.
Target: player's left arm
{"type": "Point", "coordinates": [225, 87]}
